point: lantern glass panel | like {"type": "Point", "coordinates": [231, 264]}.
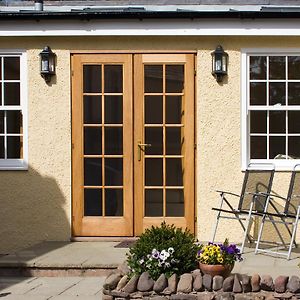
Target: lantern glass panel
{"type": "Point", "coordinates": [44, 63]}
{"type": "Point", "coordinates": [218, 63]}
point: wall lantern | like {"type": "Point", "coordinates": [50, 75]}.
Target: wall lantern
{"type": "Point", "coordinates": [219, 63]}
{"type": "Point", "coordinates": [47, 63]}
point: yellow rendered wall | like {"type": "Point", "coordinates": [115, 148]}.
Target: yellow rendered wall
{"type": "Point", "coordinates": [35, 205]}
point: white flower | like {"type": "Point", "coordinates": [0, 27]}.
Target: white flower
{"type": "Point", "coordinates": [141, 261]}
{"type": "Point", "coordinates": [164, 255]}
{"type": "Point", "coordinates": [171, 250]}
{"type": "Point", "coordinates": [167, 265]}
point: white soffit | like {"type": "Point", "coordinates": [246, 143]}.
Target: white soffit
{"type": "Point", "coordinates": [151, 27]}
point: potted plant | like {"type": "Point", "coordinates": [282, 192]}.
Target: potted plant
{"type": "Point", "coordinates": [218, 259]}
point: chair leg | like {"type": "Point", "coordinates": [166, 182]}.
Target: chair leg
{"type": "Point", "coordinates": [260, 233]}
{"type": "Point", "coordinates": [218, 219]}
{"type": "Point", "coordinates": [247, 227]}
{"type": "Point", "coordinates": [295, 225]}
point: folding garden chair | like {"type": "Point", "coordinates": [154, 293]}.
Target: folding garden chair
{"type": "Point", "coordinates": [251, 201]}
{"type": "Point", "coordinates": [288, 217]}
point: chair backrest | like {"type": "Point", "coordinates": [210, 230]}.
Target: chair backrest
{"type": "Point", "coordinates": [256, 181]}
{"type": "Point", "coordinates": [293, 202]}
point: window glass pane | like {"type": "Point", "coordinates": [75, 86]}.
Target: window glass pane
{"type": "Point", "coordinates": [294, 146]}
{"type": "Point", "coordinates": [153, 78]}
{"type": "Point", "coordinates": [277, 67]}
{"type": "Point", "coordinates": [113, 140]}
{"type": "Point", "coordinates": [113, 79]}
{"type": "Point", "coordinates": [277, 147]}
{"type": "Point", "coordinates": [174, 203]}
{"type": "Point", "coordinates": [294, 121]}
{"type": "Point", "coordinates": [258, 122]}
{"type": "Point", "coordinates": [174, 140]}
{"type": "Point", "coordinates": [14, 121]}
{"type": "Point", "coordinates": [258, 147]}
{"type": "Point", "coordinates": [11, 68]}
{"type": "Point", "coordinates": [277, 93]}
{"type": "Point", "coordinates": [174, 78]}
{"type": "Point", "coordinates": [92, 79]}
{"type": "Point", "coordinates": [277, 121]}
{"type": "Point", "coordinates": [114, 202]}
{"type": "Point", "coordinates": [113, 109]}
{"type": "Point", "coordinates": [2, 147]}
{"type": "Point", "coordinates": [153, 203]}
{"type": "Point", "coordinates": [294, 67]}
{"type": "Point", "coordinates": [113, 171]}
{"type": "Point", "coordinates": [174, 110]}
{"type": "Point", "coordinates": [154, 136]}
{"type": "Point", "coordinates": [92, 202]}
{"type": "Point", "coordinates": [153, 172]}
{"type": "Point", "coordinates": [258, 67]}
{"type": "Point", "coordinates": [14, 147]}
{"type": "Point", "coordinates": [258, 93]}
{"type": "Point", "coordinates": [92, 140]}
{"type": "Point", "coordinates": [1, 121]}
{"type": "Point", "coordinates": [294, 93]}
{"type": "Point", "coordinates": [174, 169]}
{"type": "Point", "coordinates": [11, 93]}
{"type": "Point", "coordinates": [1, 67]}
{"type": "Point", "coordinates": [153, 110]}
{"type": "Point", "coordinates": [93, 171]}
{"type": "Point", "coordinates": [92, 109]}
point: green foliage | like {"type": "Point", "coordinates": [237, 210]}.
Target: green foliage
{"type": "Point", "coordinates": [165, 249]}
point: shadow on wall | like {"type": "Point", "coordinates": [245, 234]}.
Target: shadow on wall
{"type": "Point", "coordinates": [33, 209]}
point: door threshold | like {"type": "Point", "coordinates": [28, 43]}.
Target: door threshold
{"type": "Point", "coordinates": [102, 238]}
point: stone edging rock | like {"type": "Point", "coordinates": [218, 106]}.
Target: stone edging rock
{"type": "Point", "coordinates": [194, 285]}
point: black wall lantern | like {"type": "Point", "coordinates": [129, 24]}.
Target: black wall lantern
{"type": "Point", "coordinates": [219, 63]}
{"type": "Point", "coordinates": [47, 63]}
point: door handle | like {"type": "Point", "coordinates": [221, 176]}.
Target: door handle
{"type": "Point", "coordinates": [141, 147]}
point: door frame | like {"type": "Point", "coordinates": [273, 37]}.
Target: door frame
{"type": "Point", "coordinates": [136, 228]}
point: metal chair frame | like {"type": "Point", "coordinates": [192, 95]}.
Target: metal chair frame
{"type": "Point", "coordinates": [248, 214]}
{"type": "Point", "coordinates": [283, 216]}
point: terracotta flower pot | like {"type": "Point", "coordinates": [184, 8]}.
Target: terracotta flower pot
{"type": "Point", "coordinates": [223, 270]}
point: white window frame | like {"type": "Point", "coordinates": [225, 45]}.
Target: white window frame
{"type": "Point", "coordinates": [246, 162]}
{"type": "Point", "coordinates": [19, 164]}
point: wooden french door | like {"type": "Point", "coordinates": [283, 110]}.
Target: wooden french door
{"type": "Point", "coordinates": [132, 115]}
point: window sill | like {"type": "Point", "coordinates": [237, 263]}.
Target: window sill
{"type": "Point", "coordinates": [13, 165]}
{"type": "Point", "coordinates": [279, 164]}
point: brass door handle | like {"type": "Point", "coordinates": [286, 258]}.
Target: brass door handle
{"type": "Point", "coordinates": [141, 147]}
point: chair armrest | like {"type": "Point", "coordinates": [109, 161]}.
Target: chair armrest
{"type": "Point", "coordinates": [228, 193]}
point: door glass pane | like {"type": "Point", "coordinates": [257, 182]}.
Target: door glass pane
{"type": "Point", "coordinates": [294, 146]}
{"type": "Point", "coordinates": [11, 68]}
{"type": "Point", "coordinates": [154, 136]}
{"type": "Point", "coordinates": [92, 202]}
{"type": "Point", "coordinates": [258, 93]}
{"type": "Point", "coordinates": [174, 109]}
{"type": "Point", "coordinates": [14, 121]}
{"type": "Point", "coordinates": [113, 171]}
{"type": "Point", "coordinates": [153, 78]}
{"type": "Point", "coordinates": [92, 82]}
{"type": "Point", "coordinates": [113, 109]}
{"type": "Point", "coordinates": [258, 67]}
{"type": "Point", "coordinates": [258, 121]}
{"type": "Point", "coordinates": [277, 147]}
{"type": "Point", "coordinates": [277, 121]}
{"type": "Point", "coordinates": [258, 147]}
{"type": "Point", "coordinates": [113, 78]}
{"type": "Point", "coordinates": [113, 140]}
{"type": "Point", "coordinates": [277, 67]}
{"type": "Point", "coordinates": [153, 203]}
{"type": "Point", "coordinates": [153, 172]}
{"type": "Point", "coordinates": [294, 67]}
{"type": "Point", "coordinates": [153, 110]}
{"type": "Point", "coordinates": [174, 169]}
{"type": "Point", "coordinates": [113, 202]}
{"type": "Point", "coordinates": [14, 147]}
{"type": "Point", "coordinates": [93, 171]}
{"type": "Point", "coordinates": [277, 93]}
{"type": "Point", "coordinates": [92, 109]}
{"type": "Point", "coordinates": [175, 203]}
{"type": "Point", "coordinates": [174, 78]}
{"type": "Point", "coordinates": [92, 140]}
{"type": "Point", "coordinates": [12, 93]}
{"type": "Point", "coordinates": [174, 140]}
